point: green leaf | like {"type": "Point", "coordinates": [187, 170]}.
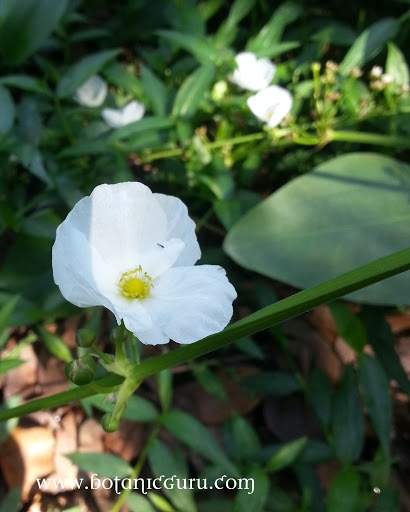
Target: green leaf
{"type": "Point", "coordinates": [79, 72]}
{"type": "Point", "coordinates": [347, 419]}
{"type": "Point", "coordinates": [240, 438]}
{"type": "Point", "coordinates": [396, 66]}
{"type": "Point", "coordinates": [7, 110]}
{"type": "Point", "coordinates": [191, 432]}
{"type": "Point", "coordinates": [382, 340]}
{"type": "Point", "coordinates": [165, 388]}
{"type": "Point", "coordinates": [286, 455]}
{"type": "Point", "coordinates": [192, 91]}
{"type": "Point", "coordinates": [55, 345]}
{"type": "Point", "coordinates": [258, 321]}
{"type": "Point", "coordinates": [280, 501]}
{"type": "Point", "coordinates": [387, 501]}
{"type": "Point", "coordinates": [246, 500]}
{"type": "Point", "coordinates": [5, 313]}
{"type": "Point", "coordinates": [369, 44]}
{"type": "Point", "coordinates": [202, 48]}
{"type": "Point", "coordinates": [273, 383]}
{"type": "Point", "coordinates": [228, 29]}
{"type": "Point", "coordinates": [210, 382]}
{"type": "Point", "coordinates": [344, 213]}
{"type": "Point", "coordinates": [103, 464]}
{"type": "Point", "coordinates": [320, 395]}
{"type": "Point", "coordinates": [10, 503]}
{"type": "Point", "coordinates": [344, 492]}
{"type": "Point", "coordinates": [27, 25]}
{"type": "Point", "coordinates": [137, 503]}
{"type": "Point", "coordinates": [25, 82]}
{"type": "Point", "coordinates": [148, 123]}
{"type": "Point", "coordinates": [348, 326]}
{"type": "Point", "coordinates": [8, 364]}
{"type": "Point", "coordinates": [375, 388]}
{"type": "Point", "coordinates": [155, 90]}
{"type": "Point", "coordinates": [166, 464]}
{"type": "Point", "coordinates": [138, 408]}
{"type": "Point", "coordinates": [271, 33]}
{"type": "Point", "coordinates": [29, 121]}
{"type": "Point", "coordinates": [91, 147]}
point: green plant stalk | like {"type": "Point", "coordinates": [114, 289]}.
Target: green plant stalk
{"type": "Point", "coordinates": [368, 138]}
{"type": "Point", "coordinates": [63, 121]}
{"type": "Point", "coordinates": [285, 309]}
{"type": "Point", "coordinates": [138, 467]}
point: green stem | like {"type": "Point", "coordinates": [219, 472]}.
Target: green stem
{"type": "Point", "coordinates": [368, 138]}
{"type": "Point", "coordinates": [138, 467]}
{"type": "Point", "coordinates": [107, 359]}
{"type": "Point", "coordinates": [133, 341]}
{"type": "Point", "coordinates": [267, 317]}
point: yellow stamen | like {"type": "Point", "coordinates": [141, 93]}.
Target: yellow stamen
{"type": "Point", "coordinates": [134, 284]}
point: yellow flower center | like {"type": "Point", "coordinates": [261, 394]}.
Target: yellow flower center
{"type": "Point", "coordinates": [135, 285]}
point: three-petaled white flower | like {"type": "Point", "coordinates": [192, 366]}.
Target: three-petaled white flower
{"type": "Point", "coordinates": [92, 93]}
{"type": "Point", "coordinates": [133, 111]}
{"type": "Point", "coordinates": [252, 73]}
{"type": "Point", "coordinates": [271, 105]}
{"type": "Point", "coordinates": [133, 252]}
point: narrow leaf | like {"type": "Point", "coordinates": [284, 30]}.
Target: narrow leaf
{"type": "Point", "coordinates": [286, 455]}
{"type": "Point", "coordinates": [104, 464]}
{"type": "Point", "coordinates": [55, 345]}
{"type": "Point", "coordinates": [348, 326]}
{"type": "Point", "coordinates": [396, 66]}
{"type": "Point", "coordinates": [7, 110]}
{"type": "Point", "coordinates": [375, 387]}
{"type": "Point", "coordinates": [9, 364]}
{"type": "Point", "coordinates": [148, 123]}
{"type": "Point", "coordinates": [246, 500]}
{"type": "Point", "coordinates": [155, 90]}
{"type": "Point", "coordinates": [344, 492]}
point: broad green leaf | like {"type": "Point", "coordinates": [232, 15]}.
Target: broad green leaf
{"type": "Point", "coordinates": [138, 408]}
{"type": "Point", "coordinates": [7, 110]}
{"type": "Point", "coordinates": [10, 502]}
{"type": "Point", "coordinates": [55, 345]}
{"type": "Point", "coordinates": [369, 44]}
{"type": "Point", "coordinates": [202, 48]}
{"type": "Point", "coordinates": [25, 82]}
{"type": "Point", "coordinates": [167, 464]}
{"type": "Point", "coordinates": [286, 455]}
{"type": "Point", "coordinates": [344, 213]}
{"type": "Point", "coordinates": [210, 382]}
{"type": "Point", "coordinates": [320, 392]}
{"type": "Point", "coordinates": [155, 90]}
{"type": "Point", "coordinates": [240, 438]}
{"type": "Point", "coordinates": [103, 464]}
{"type": "Point", "coordinates": [148, 123]}
{"type": "Point", "coordinates": [273, 383]}
{"type": "Point", "coordinates": [347, 419]}
{"type": "Point", "coordinates": [79, 72]}
{"type": "Point", "coordinates": [396, 66]}
{"type": "Point", "coordinates": [8, 364]}
{"type": "Point", "coordinates": [375, 388]}
{"type": "Point", "coordinates": [191, 432]}
{"type": "Point", "coordinates": [274, 314]}
{"type": "Point", "coordinates": [348, 326]}
{"type": "Point", "coordinates": [382, 340]}
{"type": "Point", "coordinates": [344, 492]}
{"type": "Point", "coordinates": [334, 32]}
{"type": "Point", "coordinates": [245, 499]}
{"type": "Point", "coordinates": [27, 25]}
{"type": "Point", "coordinates": [138, 503]}
{"type": "Point", "coordinates": [271, 33]}
{"type": "Point", "coordinates": [192, 91]}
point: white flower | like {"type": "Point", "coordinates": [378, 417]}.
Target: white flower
{"type": "Point", "coordinates": [133, 252]}
{"type": "Point", "coordinates": [252, 73]}
{"type": "Point", "coordinates": [92, 93]}
{"type": "Point", "coordinates": [271, 105]}
{"type": "Point", "coordinates": [376, 72]}
{"type": "Point", "coordinates": [133, 111]}
{"type": "Point", "coordinates": [387, 78]}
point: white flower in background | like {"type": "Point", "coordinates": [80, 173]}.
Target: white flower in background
{"type": "Point", "coordinates": [92, 93]}
{"type": "Point", "coordinates": [133, 111]}
{"type": "Point", "coordinates": [252, 73]}
{"type": "Point", "coordinates": [376, 72]}
{"type": "Point", "coordinates": [133, 252]}
{"type": "Point", "coordinates": [271, 105]}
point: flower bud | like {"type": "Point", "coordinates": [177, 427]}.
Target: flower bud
{"type": "Point", "coordinates": [81, 371]}
{"type": "Point", "coordinates": [85, 338]}
{"type": "Point", "coordinates": [110, 424]}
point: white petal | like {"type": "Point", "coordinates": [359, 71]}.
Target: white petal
{"type": "Point", "coordinates": [92, 93]}
{"type": "Point", "coordinates": [187, 304]}
{"type": "Point", "coordinates": [271, 105]}
{"type": "Point", "coordinates": [252, 73]}
{"type": "Point", "coordinates": [133, 111]}
{"type": "Point", "coordinates": [161, 256]}
{"type": "Point", "coordinates": [180, 225]}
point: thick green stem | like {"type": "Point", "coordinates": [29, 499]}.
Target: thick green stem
{"type": "Point", "coordinates": [368, 138]}
{"type": "Point", "coordinates": [262, 319]}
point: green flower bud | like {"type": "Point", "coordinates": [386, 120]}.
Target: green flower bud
{"type": "Point", "coordinates": [85, 338]}
{"type": "Point", "coordinates": [81, 371]}
{"type": "Point", "coordinates": [110, 424]}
